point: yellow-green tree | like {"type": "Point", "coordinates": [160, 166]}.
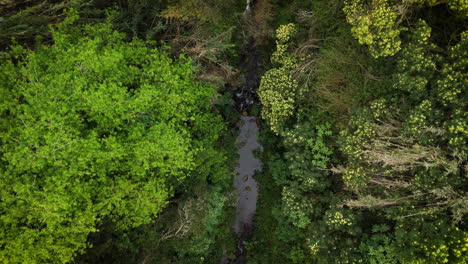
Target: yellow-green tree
{"type": "Point", "coordinates": [378, 23]}
{"type": "Point", "coordinates": [278, 89]}
{"type": "Point", "coordinates": [95, 129]}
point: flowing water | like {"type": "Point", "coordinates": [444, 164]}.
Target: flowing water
{"type": "Point", "coordinates": [247, 144]}
{"type": "Point", "coordinates": [247, 8]}
{"type": "Point", "coordinates": [245, 184]}
{"type": "Point", "coordinates": [248, 165]}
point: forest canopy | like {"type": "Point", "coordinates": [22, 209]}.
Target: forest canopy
{"type": "Point", "coordinates": [118, 126]}
{"type": "Point", "coordinates": [94, 129]}
{"type": "Point", "coordinates": [368, 142]}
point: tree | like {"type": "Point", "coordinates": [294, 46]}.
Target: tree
{"type": "Point", "coordinates": [378, 23]}
{"type": "Point", "coordinates": [95, 129]}
{"type": "Point", "coordinates": [278, 89]}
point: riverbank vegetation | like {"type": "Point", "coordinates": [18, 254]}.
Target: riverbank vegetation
{"type": "Point", "coordinates": [366, 103]}
{"type": "Point", "coordinates": [115, 146]}
{"type": "Point", "coordinates": [117, 127]}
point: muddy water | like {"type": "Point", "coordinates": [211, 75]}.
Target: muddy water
{"type": "Point", "coordinates": [245, 184]}
{"type": "Point", "coordinates": [248, 165]}
{"type": "Point", "coordinates": [247, 143]}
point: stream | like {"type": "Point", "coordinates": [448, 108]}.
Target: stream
{"type": "Point", "coordinates": [247, 144]}
{"type": "Point", "coordinates": [245, 184]}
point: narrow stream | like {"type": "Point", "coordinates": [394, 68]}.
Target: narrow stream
{"type": "Point", "coordinates": [247, 144]}
{"type": "Point", "coordinates": [245, 184]}
{"type": "Point", "coordinates": [248, 165]}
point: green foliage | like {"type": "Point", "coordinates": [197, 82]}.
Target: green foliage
{"type": "Point", "coordinates": [297, 255]}
{"type": "Point", "coordinates": [268, 220]}
{"type": "Point", "coordinates": [138, 18]}
{"type": "Point", "coordinates": [379, 23]}
{"type": "Point", "coordinates": [353, 140]}
{"type": "Point", "coordinates": [451, 93]}
{"type": "Point", "coordinates": [200, 30]}
{"type": "Point", "coordinates": [111, 152]}
{"type": "Point", "coordinates": [27, 21]}
{"type": "Point", "coordinates": [461, 6]}
{"type": "Point", "coordinates": [278, 90]}
{"type": "Point", "coordinates": [416, 65]}
{"type": "Point", "coordinates": [319, 149]}
{"type": "Point", "coordinates": [451, 87]}
{"type": "Point", "coordinates": [385, 181]}
{"type": "Point", "coordinates": [412, 246]}
{"type": "Point", "coordinates": [336, 218]}
{"type": "Point", "coordinates": [430, 242]}
{"type": "Point", "coordinates": [307, 151]}
{"type": "Point", "coordinates": [374, 24]}
{"type": "Point", "coordinates": [295, 206]}
{"type": "Point", "coordinates": [194, 9]}
{"type": "Point", "coordinates": [379, 247]}
{"type": "Point", "coordinates": [96, 129]}
{"type": "Point", "coordinates": [203, 237]}
{"type": "Point", "coordinates": [458, 132]}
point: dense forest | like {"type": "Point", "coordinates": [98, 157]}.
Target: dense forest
{"type": "Point", "coordinates": [118, 126]}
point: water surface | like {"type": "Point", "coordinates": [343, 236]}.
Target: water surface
{"type": "Point", "coordinates": [248, 165]}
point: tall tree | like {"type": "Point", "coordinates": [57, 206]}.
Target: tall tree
{"type": "Point", "coordinates": [95, 129]}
